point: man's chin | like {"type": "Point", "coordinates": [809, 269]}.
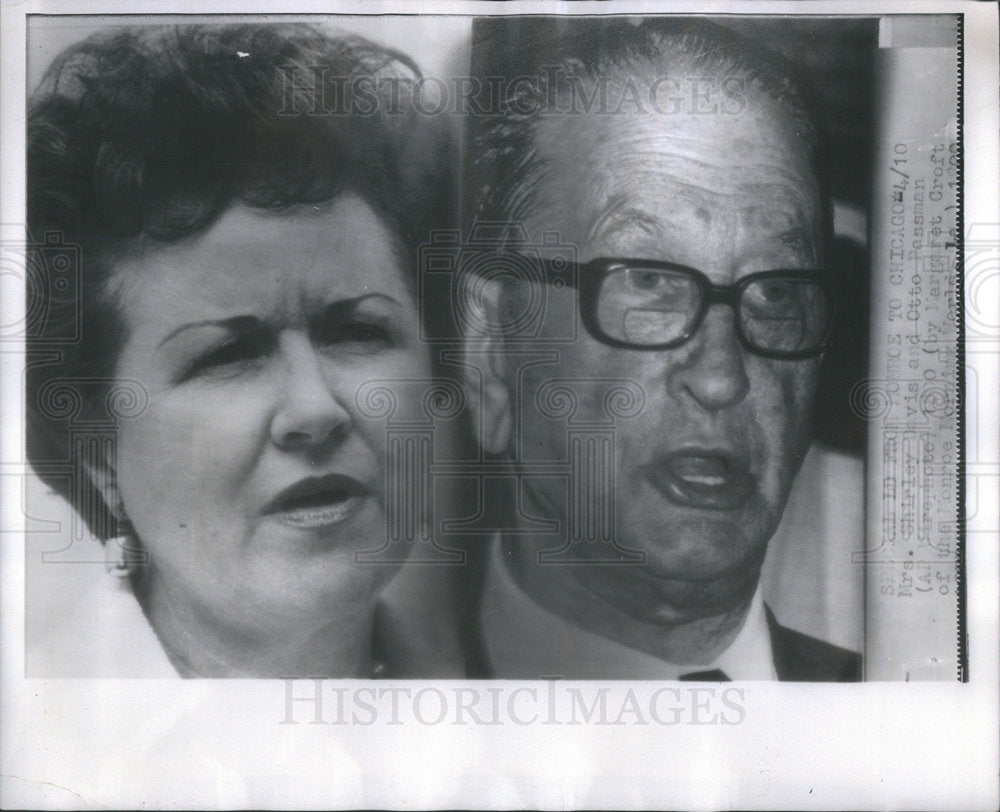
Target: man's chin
{"type": "Point", "coordinates": [702, 549]}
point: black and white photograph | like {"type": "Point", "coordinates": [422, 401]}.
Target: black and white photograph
{"type": "Point", "coordinates": [505, 405]}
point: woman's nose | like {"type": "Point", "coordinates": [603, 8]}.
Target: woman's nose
{"type": "Point", "coordinates": [309, 414]}
{"type": "Point", "coordinates": [712, 371]}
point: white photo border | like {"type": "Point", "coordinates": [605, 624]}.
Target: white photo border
{"type": "Point", "coordinates": [227, 744]}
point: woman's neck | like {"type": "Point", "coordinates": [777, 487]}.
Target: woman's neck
{"type": "Point", "coordinates": [202, 646]}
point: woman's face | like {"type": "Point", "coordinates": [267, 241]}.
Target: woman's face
{"type": "Point", "coordinates": [252, 479]}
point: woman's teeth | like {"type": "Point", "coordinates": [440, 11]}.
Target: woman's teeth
{"type": "Point", "coordinates": [320, 509]}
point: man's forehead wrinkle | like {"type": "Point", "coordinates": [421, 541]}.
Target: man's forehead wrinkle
{"type": "Point", "coordinates": [648, 179]}
{"type": "Point", "coordinates": [767, 203]}
{"type": "Point", "coordinates": [767, 197]}
{"type": "Point", "coordinates": [621, 210]}
{"type": "Point", "coordinates": [667, 148]}
{"type": "Point", "coordinates": [618, 215]}
{"type": "Point", "coordinates": [644, 229]}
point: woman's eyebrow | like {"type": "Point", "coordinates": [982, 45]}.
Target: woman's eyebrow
{"type": "Point", "coordinates": [344, 306]}
{"type": "Point", "coordinates": [235, 324]}
{"type": "Point", "coordinates": [251, 324]}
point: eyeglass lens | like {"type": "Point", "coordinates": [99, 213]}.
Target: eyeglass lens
{"type": "Point", "coordinates": [649, 307]}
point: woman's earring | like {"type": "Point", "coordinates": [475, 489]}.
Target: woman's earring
{"type": "Point", "coordinates": [122, 553]}
{"type": "Point", "coordinates": [116, 561]}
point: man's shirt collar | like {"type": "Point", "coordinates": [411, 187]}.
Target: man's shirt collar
{"type": "Point", "coordinates": [523, 640]}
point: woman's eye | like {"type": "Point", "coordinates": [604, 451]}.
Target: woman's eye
{"type": "Point", "coordinates": [232, 357]}
{"type": "Point", "coordinates": [368, 334]}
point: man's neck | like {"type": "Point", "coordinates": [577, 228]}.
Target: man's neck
{"type": "Point", "coordinates": [677, 621]}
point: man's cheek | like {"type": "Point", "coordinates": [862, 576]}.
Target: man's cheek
{"type": "Point", "coordinates": [804, 389]}
{"type": "Point", "coordinates": [793, 383]}
{"type": "Point", "coordinates": [798, 391]}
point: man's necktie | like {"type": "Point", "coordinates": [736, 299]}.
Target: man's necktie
{"type": "Point", "coordinates": [713, 675]}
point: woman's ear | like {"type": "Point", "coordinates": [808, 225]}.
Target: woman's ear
{"type": "Point", "coordinates": [99, 461]}
{"type": "Point", "coordinates": [487, 389]}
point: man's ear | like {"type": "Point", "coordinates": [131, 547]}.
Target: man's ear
{"type": "Point", "coordinates": [487, 389]}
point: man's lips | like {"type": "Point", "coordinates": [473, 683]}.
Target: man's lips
{"type": "Point", "coordinates": [710, 479]}
{"type": "Point", "coordinates": [318, 501]}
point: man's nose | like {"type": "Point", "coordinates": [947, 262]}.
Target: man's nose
{"type": "Point", "coordinates": [710, 369]}
{"type": "Point", "coordinates": [309, 415]}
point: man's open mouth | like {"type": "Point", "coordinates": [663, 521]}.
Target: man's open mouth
{"type": "Point", "coordinates": [318, 501]}
{"type": "Point", "coordinates": [703, 478]}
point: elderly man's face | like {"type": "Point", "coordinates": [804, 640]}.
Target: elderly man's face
{"type": "Point", "coordinates": [704, 471]}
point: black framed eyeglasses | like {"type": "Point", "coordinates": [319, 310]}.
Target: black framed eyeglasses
{"type": "Point", "coordinates": [649, 305]}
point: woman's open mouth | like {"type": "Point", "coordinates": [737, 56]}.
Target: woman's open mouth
{"type": "Point", "coordinates": [703, 478]}
{"type": "Point", "coordinates": [319, 501]}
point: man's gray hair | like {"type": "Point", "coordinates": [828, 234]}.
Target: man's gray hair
{"type": "Point", "coordinates": [534, 62]}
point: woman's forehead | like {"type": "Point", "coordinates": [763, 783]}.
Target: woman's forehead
{"type": "Point", "coordinates": [264, 260]}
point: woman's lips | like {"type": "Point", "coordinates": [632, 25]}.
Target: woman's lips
{"type": "Point", "coordinates": [703, 478]}
{"type": "Point", "coordinates": [318, 501]}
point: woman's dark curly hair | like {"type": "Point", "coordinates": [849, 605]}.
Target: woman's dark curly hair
{"type": "Point", "coordinates": [147, 135]}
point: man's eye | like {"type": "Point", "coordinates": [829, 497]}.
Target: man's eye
{"type": "Point", "coordinates": [776, 292]}
{"type": "Point", "coordinates": [780, 299]}
{"type": "Point", "coordinates": [645, 280]}
{"type": "Point", "coordinates": [660, 290]}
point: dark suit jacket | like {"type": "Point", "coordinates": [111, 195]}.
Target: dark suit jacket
{"type": "Point", "coordinates": [801, 658]}
{"type": "Point", "coordinates": [797, 657]}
